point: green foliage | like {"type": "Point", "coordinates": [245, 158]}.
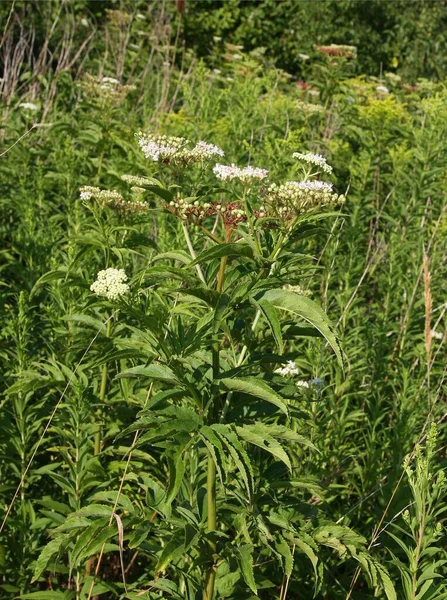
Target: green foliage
{"type": "Point", "coordinates": [160, 444]}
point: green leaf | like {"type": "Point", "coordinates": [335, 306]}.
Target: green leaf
{"type": "Point", "coordinates": [259, 435]}
{"type": "Point", "coordinates": [173, 550]}
{"type": "Point", "coordinates": [157, 372]}
{"type": "Point", "coordinates": [245, 559]}
{"type": "Point", "coordinates": [230, 250]}
{"type": "Point", "coordinates": [257, 388]}
{"type": "Point", "coordinates": [386, 582]}
{"type": "Point", "coordinates": [270, 314]}
{"type": "Point", "coordinates": [238, 454]}
{"type": "Point", "coordinates": [306, 309]}
{"type": "Point", "coordinates": [284, 549]}
{"type": "Point", "coordinates": [49, 551]}
{"type": "Point", "coordinates": [177, 468]}
{"type": "Point", "coordinates": [48, 595]}
{"type": "Point", "coordinates": [179, 256]}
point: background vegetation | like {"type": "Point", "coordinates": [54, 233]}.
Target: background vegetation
{"type": "Point", "coordinates": [249, 77]}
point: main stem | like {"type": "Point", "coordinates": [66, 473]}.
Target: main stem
{"type": "Point", "coordinates": [211, 473]}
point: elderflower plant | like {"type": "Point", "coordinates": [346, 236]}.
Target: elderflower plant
{"type": "Point", "coordinates": [110, 283]}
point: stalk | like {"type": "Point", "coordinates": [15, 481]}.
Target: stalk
{"type": "Point", "coordinates": [192, 252]}
{"type": "Point", "coordinates": [211, 472]}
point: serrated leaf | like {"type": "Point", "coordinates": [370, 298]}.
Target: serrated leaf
{"type": "Point", "coordinates": [245, 559]}
{"type": "Point", "coordinates": [284, 549]}
{"type": "Point", "coordinates": [50, 550]}
{"type": "Point", "coordinates": [259, 435]}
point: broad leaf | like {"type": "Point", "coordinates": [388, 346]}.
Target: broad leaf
{"type": "Point", "coordinates": [306, 309]}
{"type": "Point", "coordinates": [257, 388]}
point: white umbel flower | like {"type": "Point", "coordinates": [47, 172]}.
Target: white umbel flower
{"type": "Point", "coordinates": [289, 370]}
{"type": "Point", "coordinates": [314, 159]}
{"type": "Point", "coordinates": [312, 186]}
{"type": "Point", "coordinates": [110, 283]}
{"type": "Point", "coordinates": [230, 172]}
{"type": "Point", "coordinates": [29, 106]}
{"type": "Point", "coordinates": [204, 150]}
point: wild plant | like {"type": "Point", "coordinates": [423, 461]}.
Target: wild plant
{"type": "Point", "coordinates": [217, 332]}
{"type": "Point", "coordinates": [421, 536]}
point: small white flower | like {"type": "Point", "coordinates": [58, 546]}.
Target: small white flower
{"type": "Point", "coordinates": [314, 159]}
{"type": "Point", "coordinates": [84, 22]}
{"type": "Point", "coordinates": [87, 192]}
{"type": "Point", "coordinates": [217, 71]}
{"type": "Point", "coordinates": [29, 106]}
{"type": "Point", "coordinates": [290, 369]}
{"type": "Point", "coordinates": [205, 150]}
{"type": "Point", "coordinates": [437, 335]}
{"type": "Point", "coordinates": [110, 80]}
{"type": "Point", "coordinates": [302, 384]}
{"type": "Point", "coordinates": [304, 56]}
{"type": "Point", "coordinates": [229, 172]}
{"type": "Point", "coordinates": [111, 284]}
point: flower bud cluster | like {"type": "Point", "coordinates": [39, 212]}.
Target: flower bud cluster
{"type": "Point", "coordinates": [110, 283]}
{"type": "Point", "coordinates": [108, 88]}
{"type": "Point", "coordinates": [246, 174]}
{"type": "Point", "coordinates": [176, 150]}
{"type": "Point", "coordinates": [115, 200]}
{"type": "Point", "coordinates": [137, 180]}
{"type": "Point", "coordinates": [314, 159]}
{"type": "Point", "coordinates": [294, 197]}
{"type": "Point", "coordinates": [232, 213]}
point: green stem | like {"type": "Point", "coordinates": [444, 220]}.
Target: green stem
{"type": "Point", "coordinates": [102, 396]}
{"type": "Point", "coordinates": [211, 473]}
{"type": "Point", "coordinates": [211, 503]}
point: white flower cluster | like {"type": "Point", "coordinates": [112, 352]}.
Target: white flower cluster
{"type": "Point", "coordinates": [160, 147]}
{"type": "Point", "coordinates": [114, 199]}
{"type": "Point", "coordinates": [289, 370]}
{"type": "Point", "coordinates": [297, 289]}
{"type": "Point", "coordinates": [175, 149]}
{"type": "Point", "coordinates": [318, 383]}
{"type": "Point", "coordinates": [230, 172]}
{"type": "Point", "coordinates": [382, 90]}
{"type": "Point", "coordinates": [314, 186]}
{"type": "Point", "coordinates": [110, 283]}
{"type": "Point", "coordinates": [314, 159]}
{"type": "Point", "coordinates": [29, 106]}
{"type": "Point", "coordinates": [137, 180]}
{"type": "Point", "coordinates": [203, 150]}
{"type": "Point", "coordinates": [308, 109]}
{"type": "Point", "coordinates": [107, 88]}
